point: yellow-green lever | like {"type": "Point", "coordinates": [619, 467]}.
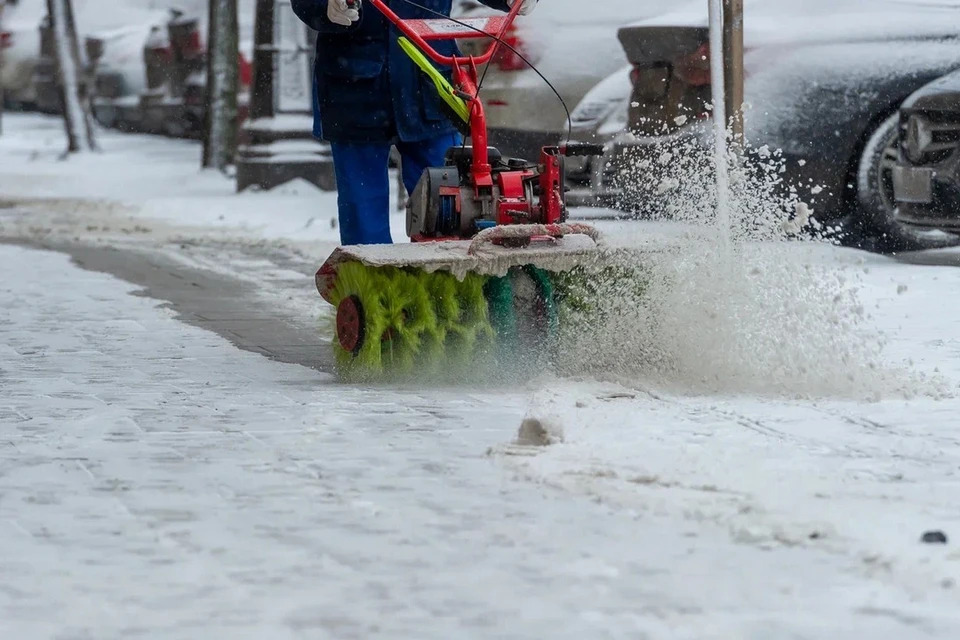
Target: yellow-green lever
{"type": "Point", "coordinates": [447, 93]}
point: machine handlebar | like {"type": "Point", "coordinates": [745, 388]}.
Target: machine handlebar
{"type": "Point", "coordinates": [421, 31]}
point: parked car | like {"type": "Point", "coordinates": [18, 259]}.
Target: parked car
{"type": "Point", "coordinates": [20, 44]}
{"type": "Point", "coordinates": [573, 44]}
{"type": "Point", "coordinates": [116, 64]}
{"type": "Point", "coordinates": [926, 179]}
{"type": "Point", "coordinates": [108, 34]}
{"type": "Point", "coordinates": [600, 118]}
{"type": "Point", "coordinates": [147, 62]}
{"type": "Point", "coordinates": [824, 78]}
{"type": "Point", "coordinates": [175, 57]}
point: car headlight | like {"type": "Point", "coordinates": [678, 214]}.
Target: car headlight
{"type": "Point", "coordinates": [616, 120]}
{"type": "Point", "coordinates": [589, 114]}
{"type": "Point", "coordinates": [918, 138]}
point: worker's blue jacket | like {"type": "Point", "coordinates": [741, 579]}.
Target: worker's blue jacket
{"type": "Point", "coordinates": [366, 89]}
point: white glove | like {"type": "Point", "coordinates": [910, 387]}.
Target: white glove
{"type": "Point", "coordinates": [526, 9]}
{"type": "Point", "coordinates": [340, 13]}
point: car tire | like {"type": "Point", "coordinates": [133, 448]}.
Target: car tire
{"type": "Point", "coordinates": [873, 224]}
{"type": "Point", "coordinates": [106, 117]}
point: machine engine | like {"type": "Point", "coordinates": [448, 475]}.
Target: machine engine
{"type": "Point", "coordinates": [446, 205]}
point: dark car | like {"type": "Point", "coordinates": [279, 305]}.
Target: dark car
{"type": "Point", "coordinates": [927, 178]}
{"type": "Point", "coordinates": [824, 82]}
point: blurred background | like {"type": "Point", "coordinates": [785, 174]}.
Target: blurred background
{"type": "Point", "coordinates": [836, 88]}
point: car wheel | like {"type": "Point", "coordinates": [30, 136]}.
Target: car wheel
{"type": "Point", "coordinates": [873, 223]}
{"type": "Point", "coordinates": [106, 117]}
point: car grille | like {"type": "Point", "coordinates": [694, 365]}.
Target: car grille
{"type": "Point", "coordinates": [579, 170]}
{"type": "Point", "coordinates": [929, 138]}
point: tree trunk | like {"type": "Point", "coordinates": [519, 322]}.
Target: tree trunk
{"type": "Point", "coordinates": [85, 82]}
{"type": "Point", "coordinates": [2, 98]}
{"type": "Point", "coordinates": [220, 126]}
{"type": "Point", "coordinates": [733, 66]}
{"type": "Point", "coordinates": [76, 112]}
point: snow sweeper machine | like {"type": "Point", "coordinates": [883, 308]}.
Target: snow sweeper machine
{"type": "Point", "coordinates": [482, 284]}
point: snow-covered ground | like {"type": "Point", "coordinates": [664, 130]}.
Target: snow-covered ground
{"type": "Point", "coordinates": [156, 481]}
{"type": "Point", "coordinates": [156, 178]}
{"type": "Point", "coordinates": [160, 180]}
{"type": "Point", "coordinates": [774, 482]}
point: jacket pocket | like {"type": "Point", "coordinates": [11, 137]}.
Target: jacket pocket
{"type": "Point", "coordinates": [353, 93]}
{"type": "Point", "coordinates": [363, 61]}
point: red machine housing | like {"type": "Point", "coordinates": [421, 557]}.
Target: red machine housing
{"type": "Point", "coordinates": [532, 195]}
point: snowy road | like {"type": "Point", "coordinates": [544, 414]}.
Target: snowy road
{"type": "Point", "coordinates": [157, 482]}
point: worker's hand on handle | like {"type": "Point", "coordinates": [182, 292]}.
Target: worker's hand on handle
{"type": "Point", "coordinates": [527, 8]}
{"type": "Point", "coordinates": [343, 12]}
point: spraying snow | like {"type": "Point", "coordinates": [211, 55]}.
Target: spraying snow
{"type": "Point", "coordinates": [735, 308]}
{"type": "Point", "coordinates": [740, 304]}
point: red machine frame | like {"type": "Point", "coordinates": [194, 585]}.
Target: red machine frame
{"type": "Point", "coordinates": [465, 73]}
{"type": "Point", "coordinates": [513, 207]}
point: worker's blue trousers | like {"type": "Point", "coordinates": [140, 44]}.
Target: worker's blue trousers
{"type": "Point", "coordinates": [363, 183]}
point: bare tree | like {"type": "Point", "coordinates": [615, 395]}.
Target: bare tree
{"type": "Point", "coordinates": [76, 105]}
{"type": "Point", "coordinates": [220, 126]}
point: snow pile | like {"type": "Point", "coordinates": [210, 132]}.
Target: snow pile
{"type": "Point", "coordinates": [543, 424]}
{"type": "Point", "coordinates": [768, 315]}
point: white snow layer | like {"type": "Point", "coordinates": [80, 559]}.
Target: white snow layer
{"type": "Point", "coordinates": [158, 181]}
{"type": "Point", "coordinates": [767, 471]}
{"type": "Point", "coordinates": [157, 481]}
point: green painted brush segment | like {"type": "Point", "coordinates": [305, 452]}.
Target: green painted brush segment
{"type": "Point", "coordinates": [411, 325]}
{"type": "Point", "coordinates": [395, 318]}
{"type": "Point", "coordinates": [469, 343]}
{"type": "Point", "coordinates": [463, 345]}
{"type": "Point", "coordinates": [404, 324]}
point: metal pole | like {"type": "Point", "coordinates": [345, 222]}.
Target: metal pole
{"type": "Point", "coordinates": [265, 54]}
{"type": "Point", "coordinates": [733, 66]}
{"type": "Point", "coordinates": [718, 87]}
